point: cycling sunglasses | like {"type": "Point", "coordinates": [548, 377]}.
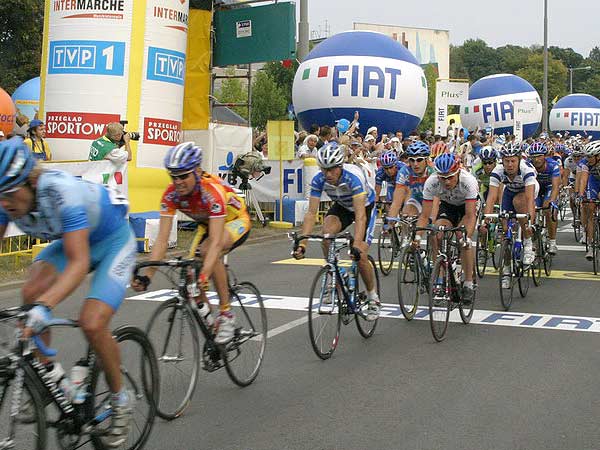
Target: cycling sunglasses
{"type": "Point", "coordinates": [448, 176]}
{"type": "Point", "coordinates": [417, 160]}
{"type": "Point", "coordinates": [5, 195]}
{"type": "Point", "coordinates": [181, 176]}
{"type": "Point", "coordinates": [489, 162]}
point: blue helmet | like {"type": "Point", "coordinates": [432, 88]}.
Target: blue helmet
{"type": "Point", "coordinates": [446, 164]}
{"type": "Point", "coordinates": [388, 158]}
{"type": "Point", "coordinates": [182, 157]}
{"type": "Point", "coordinates": [16, 162]}
{"type": "Point", "coordinates": [418, 148]}
{"type": "Point", "coordinates": [538, 148]}
{"type": "Point", "coordinates": [489, 153]}
{"type": "Point", "coordinates": [560, 148]}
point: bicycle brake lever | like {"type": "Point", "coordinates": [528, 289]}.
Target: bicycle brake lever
{"type": "Point", "coordinates": [44, 350]}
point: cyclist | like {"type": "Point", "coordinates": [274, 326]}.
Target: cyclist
{"type": "Point", "coordinates": [482, 168]}
{"type": "Point", "coordinates": [223, 224]}
{"type": "Point", "coordinates": [438, 148]}
{"type": "Point", "coordinates": [457, 191]}
{"type": "Point", "coordinates": [570, 174]}
{"type": "Point", "coordinates": [354, 201]}
{"type": "Point", "coordinates": [548, 177]}
{"type": "Point", "coordinates": [89, 231]}
{"type": "Point", "coordinates": [387, 172]}
{"type": "Point", "coordinates": [589, 187]}
{"type": "Point", "coordinates": [520, 191]}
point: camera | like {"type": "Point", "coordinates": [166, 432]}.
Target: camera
{"type": "Point", "coordinates": [248, 166]}
{"type": "Point", "coordinates": [133, 135]}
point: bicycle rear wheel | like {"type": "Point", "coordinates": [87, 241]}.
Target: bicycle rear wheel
{"type": "Point", "coordinates": [439, 299]}
{"type": "Point", "coordinates": [244, 355]}
{"type": "Point", "coordinates": [506, 294]}
{"type": "Point", "coordinates": [29, 432]}
{"type": "Point", "coordinates": [385, 250]}
{"type": "Point", "coordinates": [409, 282]}
{"type": "Point", "coordinates": [481, 254]}
{"type": "Point", "coordinates": [140, 377]}
{"type": "Point", "coordinates": [524, 282]}
{"type": "Point", "coordinates": [595, 249]}
{"type": "Point", "coordinates": [173, 333]}
{"type": "Point", "coordinates": [466, 312]}
{"type": "Point", "coordinates": [538, 262]}
{"type": "Point", "coordinates": [324, 318]}
{"type": "Point", "coordinates": [365, 327]}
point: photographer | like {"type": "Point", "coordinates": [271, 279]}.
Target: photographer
{"type": "Point", "coordinates": [114, 145]}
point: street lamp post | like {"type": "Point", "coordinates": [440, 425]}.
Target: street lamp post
{"type": "Point", "coordinates": [545, 94]}
{"type": "Point", "coordinates": [573, 69]}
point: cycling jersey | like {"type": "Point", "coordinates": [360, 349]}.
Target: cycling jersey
{"type": "Point", "coordinates": [525, 176]}
{"type": "Point", "coordinates": [570, 164]}
{"type": "Point", "coordinates": [466, 189]}
{"type": "Point", "coordinates": [352, 183]}
{"type": "Point", "coordinates": [407, 177]}
{"type": "Point", "coordinates": [212, 198]}
{"type": "Point", "coordinates": [382, 176]}
{"type": "Point", "coordinates": [593, 183]}
{"type": "Point", "coordinates": [482, 178]}
{"type": "Point", "coordinates": [546, 176]}
{"type": "Point", "coordinates": [65, 203]}
{"type": "Point", "coordinates": [594, 171]}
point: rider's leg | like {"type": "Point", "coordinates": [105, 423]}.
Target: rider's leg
{"type": "Point", "coordinates": [331, 225]}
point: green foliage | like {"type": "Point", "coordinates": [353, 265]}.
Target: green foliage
{"type": "Point", "coordinates": [479, 60]}
{"type": "Point", "coordinates": [431, 76]}
{"type": "Point", "coordinates": [557, 75]}
{"type": "Point", "coordinates": [512, 57]}
{"type": "Point", "coordinates": [268, 100]}
{"type": "Point", "coordinates": [21, 33]}
{"type": "Point", "coordinates": [233, 91]}
{"type": "Point", "coordinates": [283, 77]}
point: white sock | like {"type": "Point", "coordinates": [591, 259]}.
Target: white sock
{"type": "Point", "coordinates": [552, 241]}
{"type": "Point", "coordinates": [469, 284]}
{"type": "Point", "coordinates": [372, 295]}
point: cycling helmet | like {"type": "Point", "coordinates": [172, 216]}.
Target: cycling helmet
{"type": "Point", "coordinates": [16, 162]}
{"type": "Point", "coordinates": [330, 155]}
{"type": "Point", "coordinates": [592, 149]}
{"type": "Point", "coordinates": [183, 157]}
{"type": "Point", "coordinates": [560, 148]}
{"type": "Point", "coordinates": [510, 149]}
{"type": "Point", "coordinates": [388, 158]}
{"type": "Point", "coordinates": [418, 148]}
{"type": "Point", "coordinates": [488, 153]}
{"type": "Point", "coordinates": [446, 164]}
{"type": "Point", "coordinates": [538, 148]}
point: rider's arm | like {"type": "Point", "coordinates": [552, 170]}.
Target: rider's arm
{"type": "Point", "coordinates": [492, 199]}
{"type": "Point", "coordinates": [311, 215]}
{"type": "Point", "coordinates": [77, 251]}
{"type": "Point", "coordinates": [470, 219]}
{"type": "Point", "coordinates": [530, 199]}
{"type": "Point", "coordinates": [216, 228]}
{"type": "Point", "coordinates": [555, 189]}
{"type": "Point", "coordinates": [424, 217]}
{"type": "Point", "coordinates": [582, 180]}
{"type": "Point", "coordinates": [377, 191]}
{"type": "Point", "coordinates": [360, 218]}
{"type": "Point", "coordinates": [400, 193]}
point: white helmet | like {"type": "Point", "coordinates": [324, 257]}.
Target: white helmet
{"type": "Point", "coordinates": [592, 149]}
{"type": "Point", "coordinates": [330, 155]}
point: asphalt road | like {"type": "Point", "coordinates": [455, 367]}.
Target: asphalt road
{"type": "Point", "coordinates": [520, 380]}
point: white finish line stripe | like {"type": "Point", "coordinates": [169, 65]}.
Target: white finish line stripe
{"type": "Point", "coordinates": [392, 311]}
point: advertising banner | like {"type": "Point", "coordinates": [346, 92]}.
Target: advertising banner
{"type": "Point", "coordinates": [87, 67]}
{"type": "Point", "coordinates": [267, 188]}
{"type": "Point", "coordinates": [161, 102]}
{"type": "Point", "coordinates": [448, 93]}
{"type": "Point", "coordinates": [523, 110]}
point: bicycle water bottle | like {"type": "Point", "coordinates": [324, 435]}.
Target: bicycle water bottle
{"type": "Point", "coordinates": [344, 275]}
{"type": "Point", "coordinates": [204, 312]}
{"type": "Point", "coordinates": [79, 373]}
{"type": "Point", "coordinates": [351, 282]}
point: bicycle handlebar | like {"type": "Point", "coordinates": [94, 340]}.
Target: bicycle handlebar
{"type": "Point", "coordinates": [507, 215]}
{"type": "Point", "coordinates": [167, 263]}
{"type": "Point", "coordinates": [346, 236]}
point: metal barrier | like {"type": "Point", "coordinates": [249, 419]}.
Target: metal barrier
{"type": "Point", "coordinates": [18, 245]}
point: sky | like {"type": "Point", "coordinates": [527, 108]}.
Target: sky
{"type": "Point", "coordinates": [571, 23]}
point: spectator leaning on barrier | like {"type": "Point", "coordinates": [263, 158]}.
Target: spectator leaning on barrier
{"type": "Point", "coordinates": [114, 145]}
{"type": "Point", "coordinates": [35, 141]}
{"type": "Point", "coordinates": [325, 135]}
{"type": "Point", "coordinates": [308, 149]}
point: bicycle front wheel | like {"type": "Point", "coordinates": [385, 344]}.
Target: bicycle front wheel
{"type": "Point", "coordinates": [524, 282]}
{"type": "Point", "coordinates": [324, 318]}
{"type": "Point", "coordinates": [595, 249]}
{"type": "Point", "coordinates": [139, 375]}
{"type": "Point", "coordinates": [466, 311]}
{"type": "Point", "coordinates": [481, 254]}
{"type": "Point", "coordinates": [385, 250]}
{"type": "Point", "coordinates": [173, 334]}
{"type": "Point", "coordinates": [366, 328]}
{"type": "Point", "coordinates": [244, 355]}
{"type": "Point", "coordinates": [409, 283]}
{"type": "Point", "coordinates": [506, 281]}
{"type": "Point", "coordinates": [538, 262]}
{"type": "Point", "coordinates": [30, 424]}
{"type": "Point", "coordinates": [439, 299]}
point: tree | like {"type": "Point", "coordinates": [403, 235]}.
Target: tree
{"type": "Point", "coordinates": [268, 100]}
{"type": "Point", "coordinates": [233, 91]}
{"type": "Point", "coordinates": [283, 76]}
{"type": "Point", "coordinates": [479, 59]}
{"type": "Point", "coordinates": [568, 56]}
{"type": "Point", "coordinates": [595, 54]}
{"type": "Point", "coordinates": [512, 57]}
{"type": "Point", "coordinates": [457, 64]}
{"type": "Point", "coordinates": [431, 76]}
{"type": "Point", "coordinates": [557, 75]}
{"type": "Point", "coordinates": [21, 31]}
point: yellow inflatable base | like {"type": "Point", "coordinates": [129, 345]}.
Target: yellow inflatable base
{"type": "Point", "coordinates": [281, 225]}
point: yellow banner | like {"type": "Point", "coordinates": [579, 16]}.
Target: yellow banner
{"type": "Point", "coordinates": [197, 73]}
{"type": "Point", "coordinates": [280, 136]}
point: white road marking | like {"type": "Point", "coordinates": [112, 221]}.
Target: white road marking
{"type": "Point", "coordinates": [287, 326]}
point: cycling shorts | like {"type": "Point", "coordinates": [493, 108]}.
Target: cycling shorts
{"type": "Point", "coordinates": [508, 196]}
{"type": "Point", "coordinates": [452, 213]}
{"type": "Point", "coordinates": [238, 230]}
{"type": "Point", "coordinates": [543, 197]}
{"type": "Point", "coordinates": [112, 261]}
{"type": "Point", "coordinates": [593, 188]}
{"type": "Point", "coordinates": [346, 218]}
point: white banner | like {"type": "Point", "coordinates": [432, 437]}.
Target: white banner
{"type": "Point", "coordinates": [448, 93]}
{"type": "Point", "coordinates": [523, 110]}
{"type": "Point", "coordinates": [267, 188]}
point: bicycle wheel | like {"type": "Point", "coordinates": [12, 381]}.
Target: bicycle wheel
{"type": "Point", "coordinates": [324, 319]}
{"type": "Point", "coordinates": [244, 355]}
{"type": "Point", "coordinates": [481, 254]}
{"type": "Point", "coordinates": [174, 336]}
{"type": "Point", "coordinates": [595, 249]}
{"type": "Point", "coordinates": [538, 262]}
{"type": "Point", "coordinates": [386, 242]}
{"type": "Point", "coordinates": [29, 432]}
{"type": "Point", "coordinates": [577, 230]}
{"type": "Point", "coordinates": [140, 377]}
{"type": "Point", "coordinates": [505, 258]}
{"type": "Point", "coordinates": [365, 327]}
{"type": "Point", "coordinates": [439, 299]}
{"type": "Point", "coordinates": [524, 282]}
{"type": "Point", "coordinates": [466, 312]}
{"type": "Point", "coordinates": [409, 282]}
{"type": "Point", "coordinates": [563, 206]}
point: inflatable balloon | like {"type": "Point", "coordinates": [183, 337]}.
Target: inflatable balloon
{"type": "Point", "coordinates": [27, 99]}
{"type": "Point", "coordinates": [7, 113]}
{"type": "Point", "coordinates": [491, 104]}
{"type": "Point", "coordinates": [360, 71]}
{"type": "Point", "coordinates": [577, 114]}
{"type": "Point", "coordinates": [343, 125]}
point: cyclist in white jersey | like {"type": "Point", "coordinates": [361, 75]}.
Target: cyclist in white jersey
{"type": "Point", "coordinates": [89, 231]}
{"type": "Point", "coordinates": [354, 201]}
{"type": "Point", "coordinates": [457, 191]}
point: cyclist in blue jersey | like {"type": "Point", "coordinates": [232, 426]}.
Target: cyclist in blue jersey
{"type": "Point", "coordinates": [390, 165]}
{"type": "Point", "coordinates": [589, 187]}
{"type": "Point", "coordinates": [88, 226]}
{"type": "Point", "coordinates": [353, 201]}
{"type": "Point", "coordinates": [549, 179]}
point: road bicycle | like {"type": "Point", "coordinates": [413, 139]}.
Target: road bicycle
{"type": "Point", "coordinates": [576, 224]}
{"type": "Point", "coordinates": [486, 249]}
{"type": "Point", "coordinates": [389, 242]}
{"type": "Point", "coordinates": [543, 259]}
{"type": "Point", "coordinates": [336, 296]}
{"type": "Point", "coordinates": [510, 261]}
{"type": "Point", "coordinates": [446, 285]}
{"type": "Point", "coordinates": [26, 390]}
{"type": "Point", "coordinates": [593, 242]}
{"type": "Point", "coordinates": [563, 201]}
{"type": "Point", "coordinates": [173, 330]}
